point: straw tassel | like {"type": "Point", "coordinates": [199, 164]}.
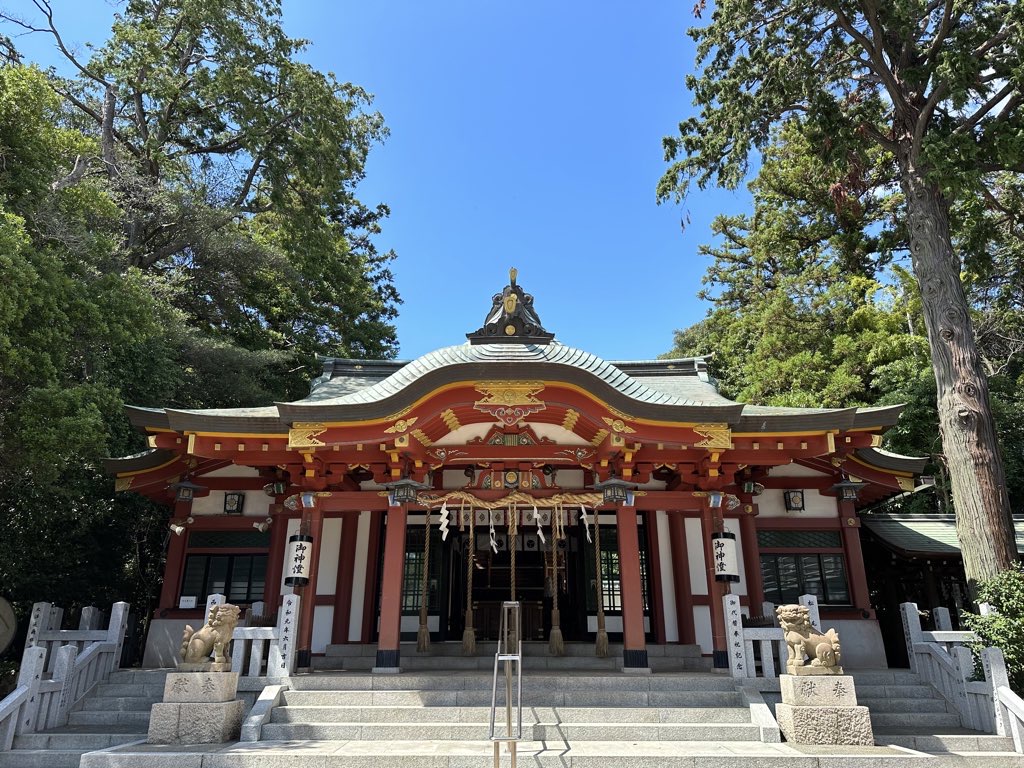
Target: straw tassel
{"type": "Point", "coordinates": [556, 644]}
{"type": "Point", "coordinates": [601, 644]}
{"type": "Point", "coordinates": [423, 634]}
{"type": "Point", "coordinates": [469, 634]}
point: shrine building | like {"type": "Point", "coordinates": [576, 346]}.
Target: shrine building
{"type": "Point", "coordinates": [615, 498]}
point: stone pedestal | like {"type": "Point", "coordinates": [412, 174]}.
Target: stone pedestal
{"type": "Point", "coordinates": [822, 709]}
{"type": "Point", "coordinates": [198, 708]}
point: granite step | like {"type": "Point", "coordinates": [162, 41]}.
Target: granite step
{"type": "Point", "coordinates": [532, 680]}
{"type": "Point", "coordinates": [903, 705]}
{"type": "Point", "coordinates": [84, 717]}
{"type": "Point", "coordinates": [959, 740]}
{"type": "Point", "coordinates": [531, 715]}
{"type": "Point", "coordinates": [120, 703]}
{"type": "Point", "coordinates": [632, 732]}
{"type": "Point", "coordinates": [482, 698]}
{"type": "Point", "coordinates": [41, 758]}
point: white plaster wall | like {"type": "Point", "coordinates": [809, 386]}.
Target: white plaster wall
{"type": "Point", "coordinates": [702, 628]}
{"type": "Point", "coordinates": [323, 619]}
{"type": "Point", "coordinates": [465, 433]}
{"type": "Point", "coordinates": [695, 556]}
{"type": "Point", "coordinates": [362, 532]}
{"type": "Point", "coordinates": [233, 470]}
{"type": "Point", "coordinates": [330, 551]}
{"type": "Point", "coordinates": [557, 434]}
{"type": "Point", "coordinates": [795, 470]}
{"type": "Point", "coordinates": [771, 503]}
{"type": "Point", "coordinates": [256, 504]}
{"type": "Point", "coordinates": [668, 587]}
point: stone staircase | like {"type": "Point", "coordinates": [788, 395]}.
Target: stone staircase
{"type": "Point", "coordinates": [578, 657]}
{"type": "Point", "coordinates": [558, 707]}
{"type": "Point", "coordinates": [115, 712]}
{"type": "Point", "coordinates": [907, 712]}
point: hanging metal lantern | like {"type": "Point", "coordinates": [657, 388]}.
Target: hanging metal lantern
{"type": "Point", "coordinates": [615, 490]}
{"type": "Point", "coordinates": [405, 491]}
{"type": "Point", "coordinates": [848, 490]}
{"type": "Point", "coordinates": [186, 490]}
{"type": "Point", "coordinates": [299, 561]}
{"type": "Point", "coordinates": [724, 556]}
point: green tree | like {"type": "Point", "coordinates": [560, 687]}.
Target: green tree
{"type": "Point", "coordinates": [937, 87]}
{"type": "Point", "coordinates": [234, 167]}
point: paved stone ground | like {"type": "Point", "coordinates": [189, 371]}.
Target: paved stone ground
{"type": "Point", "coordinates": [592, 754]}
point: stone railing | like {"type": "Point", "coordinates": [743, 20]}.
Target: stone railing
{"type": "Point", "coordinates": [264, 651]}
{"type": "Point", "coordinates": [59, 667]}
{"type": "Point", "coordinates": [944, 658]}
{"type": "Point", "coordinates": [749, 645]}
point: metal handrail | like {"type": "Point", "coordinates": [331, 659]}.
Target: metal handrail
{"type": "Point", "coordinates": [510, 653]}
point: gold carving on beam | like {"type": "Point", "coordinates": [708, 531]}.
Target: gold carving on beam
{"type": "Point", "coordinates": [191, 444]}
{"type": "Point", "coordinates": [402, 425]}
{"type": "Point", "coordinates": [620, 414]}
{"type": "Point", "coordinates": [509, 401]}
{"type": "Point", "coordinates": [151, 441]}
{"type": "Point", "coordinates": [715, 436]}
{"type": "Point", "coordinates": [421, 436]}
{"type": "Point", "coordinates": [450, 420]}
{"type": "Point", "coordinates": [571, 417]}
{"type": "Point", "coordinates": [618, 426]}
{"type": "Point", "coordinates": [830, 439]}
{"type": "Point", "coordinates": [122, 483]}
{"type": "Point", "coordinates": [876, 441]}
{"type": "Point", "coordinates": [599, 437]}
{"type": "Point", "coordinates": [906, 484]}
{"type": "Point", "coordinates": [305, 434]}
{"type": "Point", "coordinates": [400, 414]}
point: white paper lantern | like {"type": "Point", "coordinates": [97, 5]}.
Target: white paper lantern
{"type": "Point", "coordinates": [723, 555]}
{"type": "Point", "coordinates": [299, 561]}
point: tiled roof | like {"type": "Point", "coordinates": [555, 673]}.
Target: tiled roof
{"type": "Point", "coordinates": [925, 534]}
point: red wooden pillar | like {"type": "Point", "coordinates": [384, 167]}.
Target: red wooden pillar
{"type": "Point", "coordinates": [658, 597]}
{"type": "Point", "coordinates": [346, 573]}
{"type": "Point", "coordinates": [388, 648]}
{"type": "Point", "coordinates": [372, 587]}
{"type": "Point", "coordinates": [681, 578]}
{"type": "Point", "coordinates": [275, 560]}
{"type": "Point", "coordinates": [859, 594]}
{"type": "Point", "coordinates": [634, 644]}
{"type": "Point", "coordinates": [175, 561]}
{"type": "Point", "coordinates": [752, 561]}
{"type": "Point", "coordinates": [716, 589]}
{"type": "Point", "coordinates": [313, 522]}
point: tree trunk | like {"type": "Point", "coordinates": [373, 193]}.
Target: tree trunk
{"type": "Point", "coordinates": [977, 482]}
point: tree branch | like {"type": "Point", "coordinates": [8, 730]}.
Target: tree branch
{"type": "Point", "coordinates": [985, 108]}
{"type": "Point", "coordinates": [81, 165]}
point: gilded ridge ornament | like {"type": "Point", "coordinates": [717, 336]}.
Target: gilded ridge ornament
{"type": "Point", "coordinates": [599, 437]}
{"type": "Point", "coordinates": [402, 425]}
{"type": "Point", "coordinates": [122, 484]}
{"type": "Point", "coordinates": [509, 401]}
{"type": "Point", "coordinates": [715, 436]}
{"type": "Point", "coordinates": [305, 434]}
{"type": "Point", "coordinates": [618, 426]}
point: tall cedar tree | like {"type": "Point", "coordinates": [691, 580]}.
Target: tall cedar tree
{"type": "Point", "coordinates": [946, 78]}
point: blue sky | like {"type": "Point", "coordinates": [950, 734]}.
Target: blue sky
{"type": "Point", "coordinates": [523, 134]}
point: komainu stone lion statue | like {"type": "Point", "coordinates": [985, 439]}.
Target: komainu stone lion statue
{"type": "Point", "coordinates": [213, 638]}
{"type": "Point", "coordinates": [803, 640]}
